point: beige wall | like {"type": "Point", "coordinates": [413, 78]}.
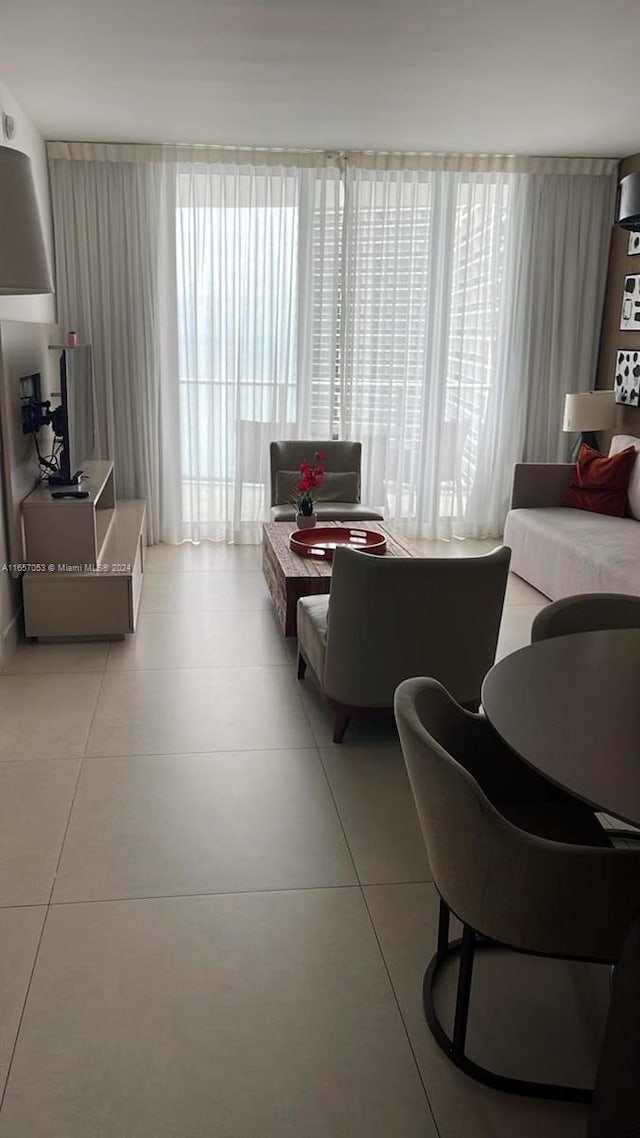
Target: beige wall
{"type": "Point", "coordinates": [21, 351]}
{"type": "Point", "coordinates": [620, 266]}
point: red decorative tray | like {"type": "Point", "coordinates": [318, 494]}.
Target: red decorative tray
{"type": "Point", "coordinates": [322, 541]}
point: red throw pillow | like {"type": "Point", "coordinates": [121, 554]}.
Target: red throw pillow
{"type": "Point", "coordinates": [599, 483]}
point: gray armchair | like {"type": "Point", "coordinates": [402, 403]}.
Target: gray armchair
{"type": "Point", "coordinates": [389, 618]}
{"type": "Point", "coordinates": [338, 499]}
{"type": "Point", "coordinates": [518, 861]}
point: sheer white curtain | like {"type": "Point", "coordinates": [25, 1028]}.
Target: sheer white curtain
{"type": "Point", "coordinates": [437, 308]}
{"type": "Point", "coordinates": [108, 216]}
{"type": "Point", "coordinates": [471, 303]}
{"type": "Point", "coordinates": [548, 331]}
{"type": "Point", "coordinates": [207, 283]}
{"type": "Point", "coordinates": [423, 293]}
{"type": "Point", "coordinates": [252, 304]}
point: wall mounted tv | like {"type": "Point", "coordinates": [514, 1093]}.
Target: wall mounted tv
{"type": "Point", "coordinates": [72, 421]}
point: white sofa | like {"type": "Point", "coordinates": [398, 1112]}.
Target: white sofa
{"type": "Point", "coordinates": [562, 551]}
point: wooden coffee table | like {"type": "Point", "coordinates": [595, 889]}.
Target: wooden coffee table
{"type": "Point", "coordinates": [289, 577]}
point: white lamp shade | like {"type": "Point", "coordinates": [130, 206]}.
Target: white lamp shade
{"type": "Point", "coordinates": [589, 411]}
{"type": "Point", "coordinates": [23, 260]}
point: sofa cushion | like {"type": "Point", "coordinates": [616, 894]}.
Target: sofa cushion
{"type": "Point", "coordinates": [599, 483]}
{"type": "Point", "coordinates": [336, 486]}
{"type": "Point", "coordinates": [562, 551]}
{"type": "Point", "coordinates": [311, 619]}
{"type": "Point", "coordinates": [620, 443]}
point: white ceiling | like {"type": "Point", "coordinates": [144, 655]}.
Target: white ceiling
{"type": "Point", "coordinates": [498, 76]}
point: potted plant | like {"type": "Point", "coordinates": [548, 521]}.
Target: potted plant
{"type": "Point", "coordinates": [311, 477]}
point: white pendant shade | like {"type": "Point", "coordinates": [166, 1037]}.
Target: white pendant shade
{"type": "Point", "coordinates": [23, 260]}
{"type": "Point", "coordinates": [589, 411]}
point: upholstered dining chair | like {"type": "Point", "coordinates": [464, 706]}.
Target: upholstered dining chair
{"type": "Point", "coordinates": [586, 612]}
{"type": "Point", "coordinates": [589, 612]}
{"type": "Point", "coordinates": [389, 618]}
{"type": "Point", "coordinates": [338, 499]}
{"type": "Point", "coordinates": [519, 862]}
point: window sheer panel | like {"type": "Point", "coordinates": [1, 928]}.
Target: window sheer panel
{"type": "Point", "coordinates": [477, 279]}
{"type": "Point", "coordinates": [435, 307]}
{"type": "Point", "coordinates": [385, 307]}
{"type": "Point", "coordinates": [321, 243]}
{"type": "Point", "coordinates": [424, 272]}
{"type": "Point", "coordinates": [106, 223]}
{"type": "Point", "coordinates": [255, 267]}
{"type": "Point", "coordinates": [558, 229]}
{"type": "Point", "coordinates": [564, 223]}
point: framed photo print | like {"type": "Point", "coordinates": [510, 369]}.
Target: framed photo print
{"type": "Point", "coordinates": [626, 383]}
{"type": "Point", "coordinates": [630, 315]}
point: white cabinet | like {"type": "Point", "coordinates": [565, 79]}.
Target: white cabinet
{"type": "Point", "coordinates": [84, 560]}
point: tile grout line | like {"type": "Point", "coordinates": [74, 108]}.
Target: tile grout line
{"type": "Point", "coordinates": [220, 893]}
{"type": "Point", "coordinates": [83, 759]}
{"type": "Point", "coordinates": [360, 887]}
{"type": "Point", "coordinates": [23, 1009]}
{"type": "Point", "coordinates": [381, 953]}
{"type": "Point", "coordinates": [47, 906]}
{"type": "Point", "coordinates": [402, 1019]}
{"type": "Point", "coordinates": [217, 893]}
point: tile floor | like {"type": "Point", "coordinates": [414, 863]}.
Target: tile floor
{"type": "Point", "coordinates": [213, 922]}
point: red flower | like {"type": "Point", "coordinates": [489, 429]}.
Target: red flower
{"type": "Point", "coordinates": [310, 478]}
{"type": "Point", "coordinates": [319, 457]}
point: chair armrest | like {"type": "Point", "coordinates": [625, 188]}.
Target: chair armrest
{"type": "Point", "coordinates": [539, 483]}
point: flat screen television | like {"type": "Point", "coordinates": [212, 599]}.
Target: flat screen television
{"type": "Point", "coordinates": [73, 421]}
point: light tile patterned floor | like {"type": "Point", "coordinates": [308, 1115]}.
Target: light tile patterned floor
{"type": "Point", "coordinates": [213, 922]}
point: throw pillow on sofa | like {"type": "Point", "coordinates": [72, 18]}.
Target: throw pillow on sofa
{"type": "Point", "coordinates": [620, 443]}
{"type": "Point", "coordinates": [599, 483]}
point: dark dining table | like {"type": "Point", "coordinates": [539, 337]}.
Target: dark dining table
{"type": "Point", "coordinates": [570, 707]}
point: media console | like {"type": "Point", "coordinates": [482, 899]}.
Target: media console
{"type": "Point", "coordinates": [84, 560]}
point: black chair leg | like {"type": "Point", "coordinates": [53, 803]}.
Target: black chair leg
{"type": "Point", "coordinates": [302, 666]}
{"type": "Point", "coordinates": [463, 995]}
{"type": "Point", "coordinates": [453, 1045]}
{"type": "Point", "coordinates": [443, 930]}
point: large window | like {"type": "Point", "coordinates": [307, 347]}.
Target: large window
{"type": "Point", "coordinates": [364, 308]}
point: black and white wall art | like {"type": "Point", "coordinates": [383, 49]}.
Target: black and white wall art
{"type": "Point", "coordinates": [634, 244]}
{"type": "Point", "coordinates": [630, 315]}
{"type": "Point", "coordinates": [626, 383]}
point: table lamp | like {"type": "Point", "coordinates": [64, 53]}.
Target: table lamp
{"type": "Point", "coordinates": [586, 412]}
{"type": "Point", "coordinates": [23, 261]}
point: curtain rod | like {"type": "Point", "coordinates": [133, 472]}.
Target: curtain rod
{"type": "Point", "coordinates": [59, 150]}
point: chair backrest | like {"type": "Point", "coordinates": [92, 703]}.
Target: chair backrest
{"type": "Point", "coordinates": [587, 612]}
{"type": "Point", "coordinates": [339, 458]}
{"type": "Point", "coordinates": [391, 618]}
{"type": "Point", "coordinates": [526, 891]}
{"type": "Point", "coordinates": [616, 1099]}
{"type": "Point", "coordinates": [467, 840]}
